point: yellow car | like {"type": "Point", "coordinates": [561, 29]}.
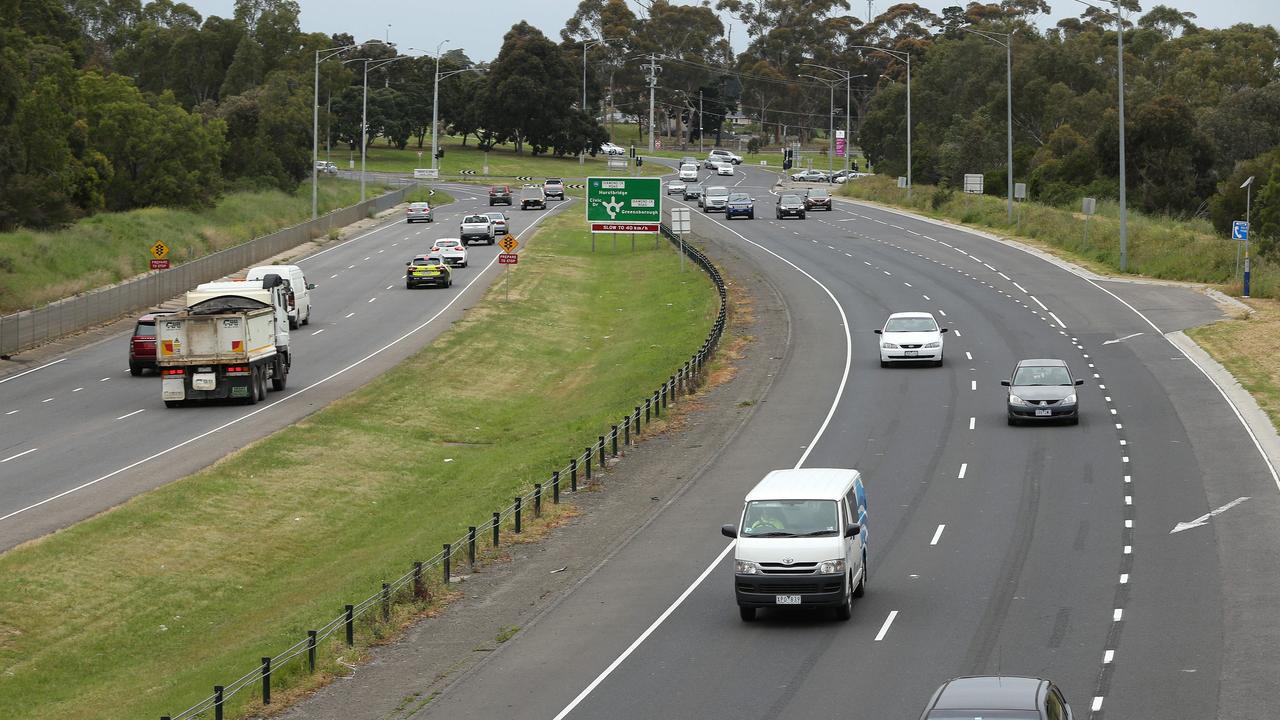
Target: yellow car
{"type": "Point", "coordinates": [427, 270]}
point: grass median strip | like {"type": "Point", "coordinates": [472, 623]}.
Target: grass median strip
{"type": "Point", "coordinates": [1244, 347]}
{"type": "Point", "coordinates": [140, 611]}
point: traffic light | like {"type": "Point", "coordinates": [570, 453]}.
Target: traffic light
{"type": "Point", "coordinates": [786, 159]}
{"type": "Point", "coordinates": [639, 161]}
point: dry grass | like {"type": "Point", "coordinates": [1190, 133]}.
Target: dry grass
{"type": "Point", "coordinates": [1246, 347]}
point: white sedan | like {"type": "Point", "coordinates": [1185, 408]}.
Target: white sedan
{"type": "Point", "coordinates": [724, 168]}
{"type": "Point", "coordinates": [451, 251]}
{"type": "Point", "coordinates": [499, 222]}
{"type": "Point", "coordinates": [911, 337]}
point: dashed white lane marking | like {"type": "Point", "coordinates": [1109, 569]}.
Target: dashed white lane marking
{"type": "Point", "coordinates": [1042, 306]}
{"type": "Point", "coordinates": [368, 257]}
{"type": "Point", "coordinates": [988, 266]}
{"type": "Point", "coordinates": [13, 412]}
{"type": "Point", "coordinates": [1124, 579]}
{"type": "Point", "coordinates": [1128, 549]}
{"type": "Point", "coordinates": [77, 389]}
{"type": "Point", "coordinates": [846, 220]}
{"type": "Point", "coordinates": [372, 299]}
{"type": "Point", "coordinates": [895, 226]}
{"type": "Point", "coordinates": [318, 332]}
{"type": "Point", "coordinates": [882, 222]}
{"type": "Point", "coordinates": [350, 314]}
{"type": "Point", "coordinates": [28, 372]}
{"type": "Point", "coordinates": [847, 255]}
{"type": "Point", "coordinates": [942, 312]}
{"type": "Point", "coordinates": [1097, 703]}
{"type": "Point", "coordinates": [333, 276]}
{"type": "Point", "coordinates": [864, 262]}
{"type": "Point", "coordinates": [1108, 656]}
{"type": "Point", "coordinates": [964, 468]}
{"type": "Point", "coordinates": [47, 400]}
{"type": "Point", "coordinates": [946, 244]}
{"type": "Point", "coordinates": [15, 457]}
{"type": "Point", "coordinates": [972, 422]}
{"type": "Point", "coordinates": [1118, 614]}
{"type": "Point", "coordinates": [1020, 287]}
{"type": "Point", "coordinates": [390, 286]}
{"type": "Point", "coordinates": [957, 333]}
{"type": "Point", "coordinates": [968, 355]}
{"type": "Point", "coordinates": [104, 379]}
{"type": "Point", "coordinates": [351, 267]}
{"type": "Point", "coordinates": [831, 247]}
{"type": "Point", "coordinates": [1057, 320]}
{"type": "Point", "coordinates": [886, 272]}
{"type": "Point", "coordinates": [884, 629]}
{"type": "Point", "coordinates": [127, 415]}
{"type": "Point", "coordinates": [382, 251]}
{"type": "Point", "coordinates": [937, 534]}
{"type": "Point", "coordinates": [907, 284]}
{"type": "Point", "coordinates": [1006, 277]}
{"type": "Point", "coordinates": [973, 384]}
{"type": "Point", "coordinates": [926, 297]}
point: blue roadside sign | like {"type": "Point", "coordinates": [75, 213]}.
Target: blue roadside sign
{"type": "Point", "coordinates": [1239, 230]}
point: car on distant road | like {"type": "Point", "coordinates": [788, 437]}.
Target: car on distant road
{"type": "Point", "coordinates": [810, 176]}
{"type": "Point", "coordinates": [722, 154]}
{"type": "Point", "coordinates": [817, 198]}
{"type": "Point", "coordinates": [531, 196]}
{"type": "Point", "coordinates": [740, 204]}
{"type": "Point", "coordinates": [715, 198]}
{"type": "Point", "coordinates": [499, 222]}
{"type": "Point", "coordinates": [675, 187]}
{"type": "Point", "coordinates": [499, 194]}
{"type": "Point", "coordinates": [427, 270]}
{"type": "Point", "coordinates": [693, 191]}
{"type": "Point", "coordinates": [911, 337]}
{"type": "Point", "coordinates": [840, 176]}
{"type": "Point", "coordinates": [724, 168]}
{"type": "Point", "coordinates": [553, 188]}
{"type": "Point", "coordinates": [611, 149]}
{"type": "Point", "coordinates": [450, 250]}
{"type": "Point", "coordinates": [689, 172]}
{"type": "Point", "coordinates": [688, 160]}
{"type": "Point", "coordinates": [419, 211]}
{"type": "Point", "coordinates": [326, 168]}
{"type": "Point", "coordinates": [997, 697]}
{"type": "Point", "coordinates": [142, 346]}
{"type": "Point", "coordinates": [1042, 390]}
{"type": "Point", "coordinates": [790, 205]}
{"type": "Point", "coordinates": [476, 228]}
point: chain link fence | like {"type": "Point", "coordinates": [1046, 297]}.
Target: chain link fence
{"type": "Point", "coordinates": [436, 572]}
{"type": "Point", "coordinates": [29, 328]}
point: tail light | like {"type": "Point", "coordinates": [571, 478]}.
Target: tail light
{"type": "Point", "coordinates": [237, 370]}
{"type": "Point", "coordinates": [173, 371]}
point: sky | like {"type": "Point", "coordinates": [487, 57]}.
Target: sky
{"type": "Point", "coordinates": [478, 29]}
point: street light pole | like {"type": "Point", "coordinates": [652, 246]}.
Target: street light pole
{"type": "Point", "coordinates": [831, 119]}
{"type": "Point", "coordinates": [1008, 47]}
{"type": "Point", "coordinates": [1124, 208]}
{"type": "Point", "coordinates": [315, 125]}
{"type": "Point", "coordinates": [364, 111]}
{"type": "Point", "coordinates": [1248, 198]}
{"type": "Point", "coordinates": [848, 90]}
{"type": "Point", "coordinates": [905, 57]}
{"type": "Point", "coordinates": [582, 156]}
{"type": "Point", "coordinates": [435, 113]}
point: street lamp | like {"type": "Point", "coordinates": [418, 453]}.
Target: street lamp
{"type": "Point", "coordinates": [435, 113]}
{"type": "Point", "coordinates": [315, 124]}
{"type": "Point", "coordinates": [1007, 43]}
{"type": "Point", "coordinates": [848, 95]}
{"type": "Point", "coordinates": [364, 110]}
{"type": "Point", "coordinates": [1124, 212]}
{"type": "Point", "coordinates": [1248, 197]}
{"type": "Point", "coordinates": [905, 57]}
{"type": "Point", "coordinates": [831, 119]}
{"type": "Point", "coordinates": [582, 156]}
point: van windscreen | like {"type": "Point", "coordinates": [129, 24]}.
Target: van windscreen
{"type": "Point", "coordinates": [790, 518]}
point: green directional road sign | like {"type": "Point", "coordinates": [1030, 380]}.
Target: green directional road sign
{"type": "Point", "coordinates": [623, 204]}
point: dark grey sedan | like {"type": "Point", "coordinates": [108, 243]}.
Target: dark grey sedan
{"type": "Point", "coordinates": [789, 205]}
{"type": "Point", "coordinates": [1042, 390]}
{"type": "Point", "coordinates": [1007, 697]}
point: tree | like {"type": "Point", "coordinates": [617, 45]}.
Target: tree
{"type": "Point", "coordinates": [1171, 157]}
{"type": "Point", "coordinates": [246, 69]}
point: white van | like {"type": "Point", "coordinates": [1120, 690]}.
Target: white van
{"type": "Point", "coordinates": [300, 309]}
{"type": "Point", "coordinates": [689, 172]}
{"type": "Point", "coordinates": [802, 540]}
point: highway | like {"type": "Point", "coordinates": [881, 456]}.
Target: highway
{"type": "Point", "coordinates": [1040, 550]}
{"type": "Point", "coordinates": [79, 435]}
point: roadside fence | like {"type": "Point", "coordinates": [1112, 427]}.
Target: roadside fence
{"type": "Point", "coordinates": [28, 328]}
{"type": "Point", "coordinates": [436, 573]}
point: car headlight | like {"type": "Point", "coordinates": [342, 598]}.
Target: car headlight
{"type": "Point", "coordinates": [888, 346]}
{"type": "Point", "coordinates": [746, 567]}
{"type": "Point", "coordinates": [830, 567]}
{"type": "Point", "coordinates": [1069, 400]}
{"type": "Point", "coordinates": [934, 344]}
{"type": "Point", "coordinates": [1015, 400]}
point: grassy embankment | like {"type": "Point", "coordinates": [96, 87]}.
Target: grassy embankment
{"type": "Point", "coordinates": [1159, 247]}
{"type": "Point", "coordinates": [140, 611]}
{"type": "Point", "coordinates": [39, 267]}
{"type": "Point", "coordinates": [1243, 346]}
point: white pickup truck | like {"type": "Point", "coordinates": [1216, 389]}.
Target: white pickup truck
{"type": "Point", "coordinates": [232, 338]}
{"type": "Point", "coordinates": [476, 228]}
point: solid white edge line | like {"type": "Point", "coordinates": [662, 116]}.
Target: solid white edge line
{"type": "Point", "coordinates": [286, 398]}
{"type": "Point", "coordinates": [644, 635]}
{"type": "Point", "coordinates": [937, 534]}
{"type": "Point", "coordinates": [835, 403]}
{"type": "Point", "coordinates": [15, 457]}
{"type": "Point", "coordinates": [884, 629]}
{"type": "Point", "coordinates": [28, 372]}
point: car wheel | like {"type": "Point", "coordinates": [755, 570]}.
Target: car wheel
{"type": "Point", "coordinates": [884, 364]}
{"type": "Point", "coordinates": [135, 369]}
{"type": "Point", "coordinates": [748, 614]}
{"type": "Point", "coordinates": [752, 216]}
{"type": "Point", "coordinates": [172, 403]}
{"type": "Point", "coordinates": [801, 216]}
{"type": "Point", "coordinates": [490, 241]}
{"type": "Point", "coordinates": [1012, 421]}
{"type": "Point", "coordinates": [778, 215]}
{"type": "Point", "coordinates": [278, 382]}
{"type": "Point", "coordinates": [408, 286]}
{"type": "Point", "coordinates": [450, 283]}
{"type": "Point", "coordinates": [1074, 420]}
{"type": "Point", "coordinates": [844, 611]}
{"type": "Point", "coordinates": [463, 265]}
{"type": "Point", "coordinates": [862, 581]}
{"type": "Point", "coordinates": [254, 385]}
{"type": "Point", "coordinates": [938, 362]}
{"type": "Point", "coordinates": [293, 323]}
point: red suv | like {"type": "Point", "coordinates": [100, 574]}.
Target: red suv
{"type": "Point", "coordinates": [499, 194]}
{"type": "Point", "coordinates": [142, 346]}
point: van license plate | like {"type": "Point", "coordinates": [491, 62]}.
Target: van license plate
{"type": "Point", "coordinates": [787, 599]}
{"type": "Point", "coordinates": [1044, 412]}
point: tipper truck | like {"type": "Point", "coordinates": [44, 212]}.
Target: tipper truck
{"type": "Point", "coordinates": [230, 341]}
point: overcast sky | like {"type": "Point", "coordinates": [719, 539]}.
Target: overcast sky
{"type": "Point", "coordinates": [478, 28]}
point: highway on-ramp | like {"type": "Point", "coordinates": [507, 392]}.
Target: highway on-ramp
{"type": "Point", "coordinates": [1041, 550]}
{"type": "Point", "coordinates": [79, 435]}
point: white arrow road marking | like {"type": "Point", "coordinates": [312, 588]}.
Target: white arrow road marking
{"type": "Point", "coordinates": [1126, 337]}
{"type": "Point", "coordinates": [1204, 519]}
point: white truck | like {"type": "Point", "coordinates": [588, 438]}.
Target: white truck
{"type": "Point", "coordinates": [229, 341]}
{"type": "Point", "coordinates": [476, 228]}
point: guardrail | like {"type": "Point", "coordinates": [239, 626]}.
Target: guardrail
{"type": "Point", "coordinates": [416, 584]}
{"type": "Point", "coordinates": [28, 328]}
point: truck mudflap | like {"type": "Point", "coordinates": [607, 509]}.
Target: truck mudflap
{"type": "Point", "coordinates": [174, 388]}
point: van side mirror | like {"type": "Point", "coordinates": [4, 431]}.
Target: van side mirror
{"type": "Point", "coordinates": [1079, 382]}
{"type": "Point", "coordinates": [942, 330]}
{"type": "Point", "coordinates": [852, 530]}
{"type": "Point", "coordinates": [878, 331]}
{"type": "Point", "coordinates": [1004, 383]}
{"type": "Point", "coordinates": [729, 531]}
{"type": "Point", "coordinates": [311, 286]}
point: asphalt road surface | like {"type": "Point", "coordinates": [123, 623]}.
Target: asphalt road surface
{"type": "Point", "coordinates": [1041, 550]}
{"type": "Point", "coordinates": [79, 435]}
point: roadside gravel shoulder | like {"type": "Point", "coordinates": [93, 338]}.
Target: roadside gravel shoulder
{"type": "Point", "coordinates": [501, 599]}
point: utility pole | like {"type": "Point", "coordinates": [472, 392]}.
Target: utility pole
{"type": "Point", "coordinates": [652, 69]}
{"type": "Point", "coordinates": [700, 125]}
{"type": "Point", "coordinates": [1124, 210]}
